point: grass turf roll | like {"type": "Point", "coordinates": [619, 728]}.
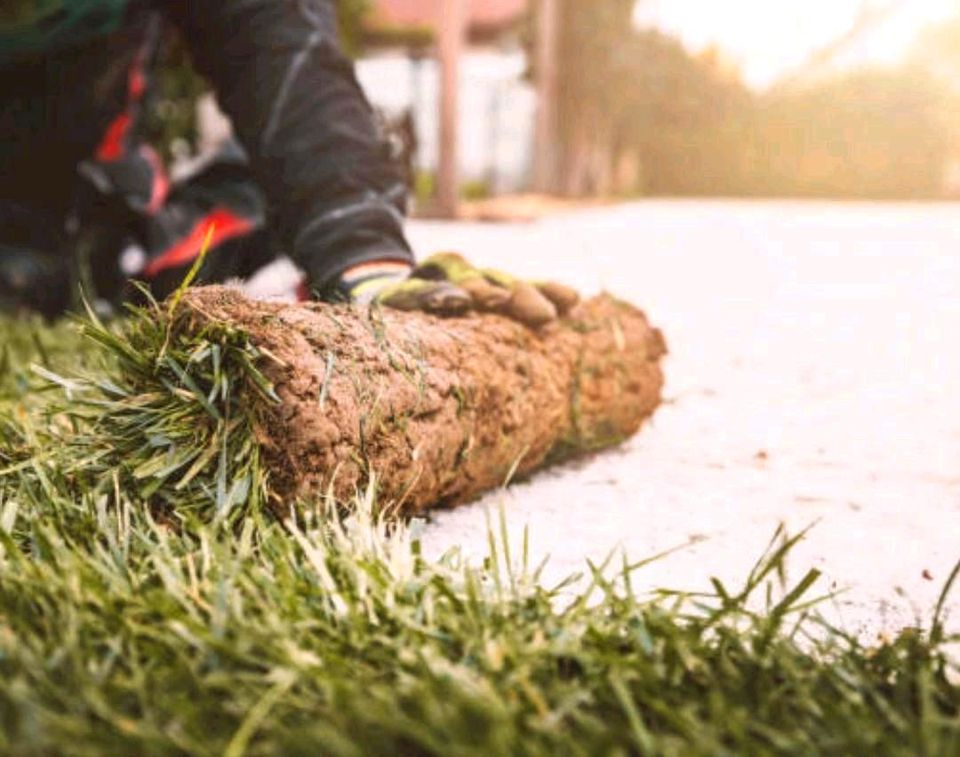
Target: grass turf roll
{"type": "Point", "coordinates": [438, 410]}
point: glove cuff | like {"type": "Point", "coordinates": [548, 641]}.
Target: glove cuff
{"type": "Point", "coordinates": [361, 283]}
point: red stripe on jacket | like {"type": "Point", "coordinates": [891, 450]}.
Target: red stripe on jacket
{"type": "Point", "coordinates": [114, 141]}
{"type": "Point", "coordinates": [226, 225]}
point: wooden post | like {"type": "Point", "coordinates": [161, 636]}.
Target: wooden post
{"type": "Point", "coordinates": [545, 143]}
{"type": "Point", "coordinates": [452, 25]}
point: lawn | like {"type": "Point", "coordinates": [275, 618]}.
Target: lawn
{"type": "Point", "coordinates": [155, 599]}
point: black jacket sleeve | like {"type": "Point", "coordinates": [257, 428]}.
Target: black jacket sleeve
{"type": "Point", "coordinates": [280, 74]}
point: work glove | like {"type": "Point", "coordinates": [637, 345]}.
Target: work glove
{"type": "Point", "coordinates": [447, 284]}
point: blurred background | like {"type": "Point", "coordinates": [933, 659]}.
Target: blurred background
{"type": "Point", "coordinates": [629, 98]}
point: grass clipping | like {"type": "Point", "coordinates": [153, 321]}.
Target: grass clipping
{"type": "Point", "coordinates": [438, 410]}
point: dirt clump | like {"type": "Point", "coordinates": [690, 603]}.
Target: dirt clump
{"type": "Point", "coordinates": [438, 410]}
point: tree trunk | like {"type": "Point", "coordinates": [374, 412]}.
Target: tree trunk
{"type": "Point", "coordinates": [546, 139]}
{"type": "Point", "coordinates": [452, 19]}
{"type": "Point", "coordinates": [437, 410]}
{"type": "Point", "coordinates": [591, 48]}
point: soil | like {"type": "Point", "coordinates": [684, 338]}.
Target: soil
{"type": "Point", "coordinates": [438, 410]}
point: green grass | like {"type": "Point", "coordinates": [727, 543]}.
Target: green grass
{"type": "Point", "coordinates": [153, 600]}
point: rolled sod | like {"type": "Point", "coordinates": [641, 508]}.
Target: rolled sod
{"type": "Point", "coordinates": [435, 410]}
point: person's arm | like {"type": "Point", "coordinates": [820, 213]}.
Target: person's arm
{"type": "Point", "coordinates": [280, 74]}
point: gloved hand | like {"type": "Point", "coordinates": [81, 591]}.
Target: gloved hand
{"type": "Point", "coordinates": [447, 284]}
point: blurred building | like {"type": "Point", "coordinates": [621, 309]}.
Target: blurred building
{"type": "Point", "coordinates": [400, 75]}
{"type": "Point", "coordinates": [487, 19]}
{"type": "Point", "coordinates": [497, 102]}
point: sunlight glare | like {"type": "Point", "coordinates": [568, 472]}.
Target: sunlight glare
{"type": "Point", "coordinates": [769, 39]}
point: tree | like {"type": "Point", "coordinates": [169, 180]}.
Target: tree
{"type": "Point", "coordinates": [590, 38]}
{"type": "Point", "coordinates": [870, 133]}
{"type": "Point", "coordinates": [638, 113]}
{"type": "Point", "coordinates": [629, 100]}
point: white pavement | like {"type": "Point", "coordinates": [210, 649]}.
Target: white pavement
{"type": "Point", "coordinates": [814, 377]}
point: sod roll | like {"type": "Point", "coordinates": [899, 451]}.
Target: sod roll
{"type": "Point", "coordinates": [436, 410]}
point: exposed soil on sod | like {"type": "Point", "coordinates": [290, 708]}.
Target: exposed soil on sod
{"type": "Point", "coordinates": [438, 410]}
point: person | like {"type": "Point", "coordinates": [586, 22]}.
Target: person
{"type": "Point", "coordinates": [84, 198]}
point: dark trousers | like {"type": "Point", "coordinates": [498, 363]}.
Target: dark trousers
{"type": "Point", "coordinates": [84, 199]}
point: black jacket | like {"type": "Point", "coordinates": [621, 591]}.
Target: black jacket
{"type": "Point", "coordinates": [335, 197]}
{"type": "Point", "coordinates": [280, 74]}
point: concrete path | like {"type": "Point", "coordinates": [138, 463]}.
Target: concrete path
{"type": "Point", "coordinates": [814, 379]}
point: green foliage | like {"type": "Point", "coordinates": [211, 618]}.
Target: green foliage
{"type": "Point", "coordinates": [477, 189]}
{"type": "Point", "coordinates": [424, 186]}
{"type": "Point", "coordinates": [350, 15]}
{"type": "Point", "coordinates": [687, 125]}
{"type": "Point", "coordinates": [150, 605]}
{"type": "Point", "coordinates": [871, 133]}
{"type": "Point", "coordinates": [877, 134]}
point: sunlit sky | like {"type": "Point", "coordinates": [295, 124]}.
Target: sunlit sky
{"type": "Point", "coordinates": [769, 38]}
